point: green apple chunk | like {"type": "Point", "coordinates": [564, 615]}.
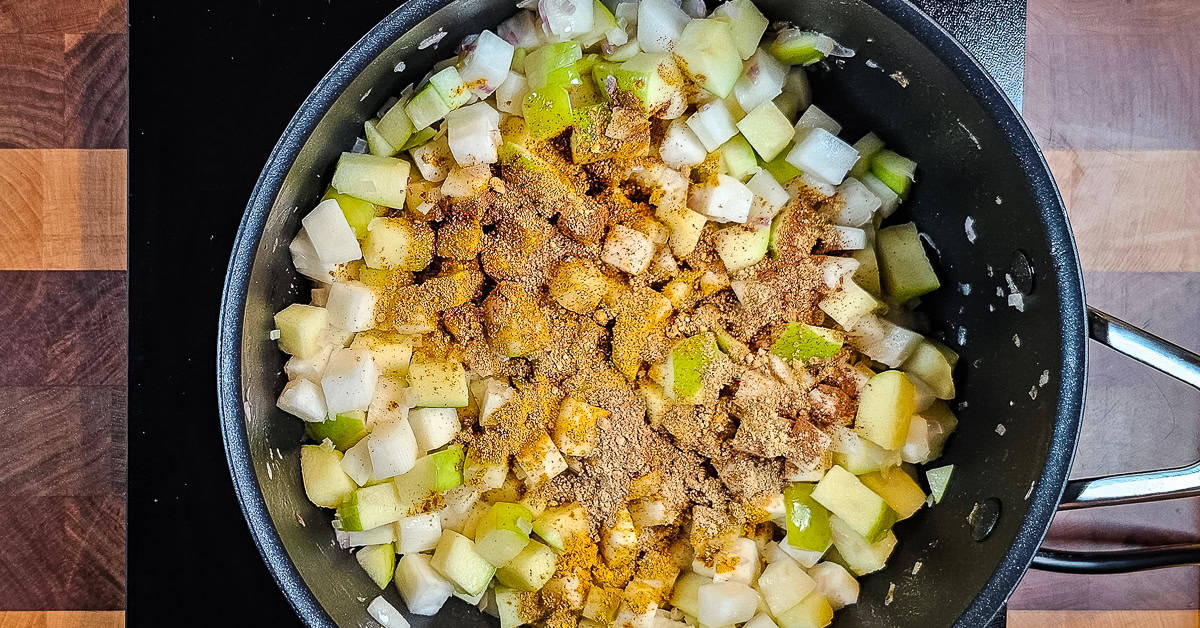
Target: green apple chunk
{"type": "Point", "coordinates": [859, 455]}
{"type": "Point", "coordinates": [358, 212]}
{"type": "Point", "coordinates": [395, 127]}
{"type": "Point", "coordinates": [325, 483]}
{"type": "Point", "coordinates": [558, 524]}
{"type": "Point", "coordinates": [687, 365]}
{"type": "Point", "coordinates": [425, 108]}
{"type": "Point", "coordinates": [438, 384]}
{"type": "Point", "coordinates": [370, 507]}
{"type": "Point", "coordinates": [344, 430]}
{"type": "Point", "coordinates": [814, 611]}
{"type": "Point", "coordinates": [542, 64]}
{"type": "Point", "coordinates": [767, 130]}
{"type": "Point", "coordinates": [686, 595]}
{"type": "Point", "coordinates": [867, 274]}
{"type": "Point", "coordinates": [456, 559]}
{"type": "Point", "coordinates": [449, 85]}
{"type": "Point", "coordinates": [376, 144]}
{"type": "Point", "coordinates": [417, 490]}
{"type": "Point", "coordinates": [379, 561]}
{"type": "Point", "coordinates": [849, 304]}
{"type": "Point", "coordinates": [781, 168]}
{"type": "Point", "coordinates": [737, 158]}
{"type": "Point", "coordinates": [797, 47]}
{"type": "Point", "coordinates": [931, 365]}
{"type": "Point", "coordinates": [508, 606]}
{"type": "Point", "coordinates": [903, 265]}
{"type": "Point", "coordinates": [397, 243]}
{"type": "Point", "coordinates": [530, 569]}
{"type": "Point", "coordinates": [300, 328]}
{"type": "Point", "coordinates": [710, 56]}
{"type": "Point", "coordinates": [646, 76]}
{"type": "Point", "coordinates": [805, 342]}
{"type": "Point", "coordinates": [807, 519]}
{"type": "Point", "coordinates": [885, 409]}
{"type": "Point", "coordinates": [860, 555]}
{"type": "Point", "coordinates": [741, 247]}
{"type": "Point", "coordinates": [503, 532]}
{"type": "Point", "coordinates": [895, 171]}
{"type": "Point", "coordinates": [867, 146]}
{"type": "Point", "coordinates": [379, 180]}
{"type": "Point", "coordinates": [844, 495]}
{"type": "Point", "coordinates": [547, 111]}
{"type": "Point", "coordinates": [898, 489]}
{"type": "Point", "coordinates": [938, 479]}
{"type": "Point", "coordinates": [746, 23]}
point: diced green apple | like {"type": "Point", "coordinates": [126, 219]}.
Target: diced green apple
{"type": "Point", "coordinates": [932, 366]}
{"type": "Point", "coordinates": [398, 243]}
{"type": "Point", "coordinates": [370, 507]}
{"type": "Point", "coordinates": [482, 474]}
{"type": "Point", "coordinates": [450, 86]}
{"type": "Point", "coordinates": [422, 588]}
{"type": "Point", "coordinates": [645, 76]}
{"type": "Point", "coordinates": [813, 611]}
{"type": "Point", "coordinates": [805, 342]}
{"type": "Point", "coordinates": [859, 455]}
{"type": "Point", "coordinates": [867, 146]}
{"type": "Point", "coordinates": [547, 111]}
{"type": "Point", "coordinates": [379, 561]}
{"type": "Point", "coordinates": [426, 107]}
{"type": "Point", "coordinates": [508, 606]}
{"type": "Point", "coordinates": [867, 273]}
{"type": "Point", "coordinates": [725, 603]}
{"type": "Point", "coordinates": [530, 569]}
{"type": "Point", "coordinates": [898, 489]}
{"type": "Point", "coordinates": [740, 247]}
{"type": "Point", "coordinates": [861, 556]}
{"type": "Point", "coordinates": [540, 459]}
{"type": "Point", "coordinates": [807, 520]}
{"type": "Point", "coordinates": [379, 180]}
{"type": "Point", "coordinates": [885, 408]}
{"type": "Point", "coordinates": [456, 559]}
{"type": "Point", "coordinates": [300, 329]}
{"type": "Point", "coordinates": [783, 584]}
{"type": "Point", "coordinates": [798, 47]}
{"type": "Point", "coordinates": [543, 62]}
{"type": "Point", "coordinates": [357, 211]}
{"type": "Point", "coordinates": [895, 171]}
{"type": "Point", "coordinates": [767, 130]}
{"type": "Point", "coordinates": [575, 431]}
{"type": "Point", "coordinates": [325, 483]}
{"type": "Point", "coordinates": [687, 365]}
{"type": "Point", "coordinates": [781, 168]}
{"type": "Point", "coordinates": [344, 429]}
{"type": "Point", "coordinates": [903, 265]}
{"type": "Point", "coordinates": [558, 524]}
{"type": "Point", "coordinates": [376, 144]}
{"type": "Point", "coordinates": [429, 476]}
{"type": "Point", "coordinates": [710, 55]}
{"type": "Point", "coordinates": [737, 158]}
{"type": "Point", "coordinates": [438, 384]}
{"type": "Point", "coordinates": [849, 304]}
{"type": "Point", "coordinates": [746, 23]}
{"type": "Point", "coordinates": [938, 479]}
{"type": "Point", "coordinates": [844, 495]}
{"type": "Point", "coordinates": [503, 532]}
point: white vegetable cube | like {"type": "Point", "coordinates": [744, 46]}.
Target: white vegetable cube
{"type": "Point", "coordinates": [311, 368]}
{"type": "Point", "coordinates": [762, 80]}
{"type": "Point", "coordinates": [389, 403]}
{"type": "Point", "coordinates": [814, 118]}
{"type": "Point", "coordinates": [510, 96]}
{"type": "Point", "coordinates": [649, 512]}
{"type": "Point", "coordinates": [824, 155]}
{"type": "Point", "coordinates": [392, 353]}
{"type": "Point", "coordinates": [567, 18]}
{"type": "Point", "coordinates": [725, 603]}
{"type": "Point", "coordinates": [806, 558]}
{"type": "Point", "coordinates": [575, 428]}
{"type": "Point", "coordinates": [473, 134]}
{"type": "Point", "coordinates": [349, 381]}
{"type": "Point", "coordinates": [397, 243]}
{"type": "Point", "coordinates": [855, 203]}
{"type": "Point", "coordinates": [888, 199]}
{"type": "Point", "coordinates": [486, 66]}
{"type": "Point", "coordinates": [769, 198]}
{"type": "Point", "coordinates": [523, 30]}
{"type": "Point", "coordinates": [741, 247]}
{"type": "Point", "coordinates": [539, 459]}
{"type": "Point", "coordinates": [761, 620]}
{"type": "Point", "coordinates": [713, 124]}
{"type": "Point", "coordinates": [375, 536]}
{"type": "Point", "coordinates": [834, 269]}
{"type": "Point", "coordinates": [767, 130]}
{"type": "Point", "coordinates": [433, 158]}
{"type": "Point", "coordinates": [482, 474]}
{"type": "Point", "coordinates": [461, 502]}
{"type": "Point", "coordinates": [356, 463]}
{"type": "Point", "coordinates": [835, 583]}
{"type": "Point", "coordinates": [422, 588]}
{"type": "Point", "coordinates": [380, 180]}
{"type": "Point", "coordinates": [680, 146]}
{"type": "Point", "coordinates": [351, 306]}
{"type": "Point", "coordinates": [306, 260]}
{"type": "Point", "coordinates": [747, 23]}
{"type": "Point", "coordinates": [387, 615]}
{"type": "Point", "coordinates": [437, 384]}
{"type": "Point", "coordinates": [618, 542]}
{"type": "Point", "coordinates": [744, 569]}
{"type": "Point", "coordinates": [489, 395]}
{"type": "Point", "coordinates": [659, 23]}
{"type": "Point", "coordinates": [784, 584]}
{"type": "Point", "coordinates": [628, 250]}
{"type": "Point", "coordinates": [331, 236]}
{"type": "Point", "coordinates": [393, 449]}
{"type": "Point", "coordinates": [433, 427]}
{"type": "Point", "coordinates": [300, 328]}
{"type": "Point", "coordinates": [883, 341]}
{"type": "Point", "coordinates": [844, 238]}
{"type": "Point", "coordinates": [456, 559]}
{"type": "Point", "coordinates": [304, 399]}
{"type": "Point", "coordinates": [728, 200]}
{"type": "Point", "coordinates": [419, 533]}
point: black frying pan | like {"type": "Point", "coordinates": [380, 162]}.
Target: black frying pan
{"type": "Point", "coordinates": [930, 100]}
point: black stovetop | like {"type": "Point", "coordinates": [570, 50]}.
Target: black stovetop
{"type": "Point", "coordinates": [212, 88]}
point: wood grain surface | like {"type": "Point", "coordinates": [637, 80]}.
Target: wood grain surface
{"type": "Point", "coordinates": [62, 619]}
{"type": "Point", "coordinates": [1112, 619]}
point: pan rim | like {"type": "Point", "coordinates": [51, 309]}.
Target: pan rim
{"type": "Point", "coordinates": [1067, 270]}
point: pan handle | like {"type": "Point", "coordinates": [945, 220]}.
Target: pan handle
{"type": "Point", "coordinates": [1131, 488]}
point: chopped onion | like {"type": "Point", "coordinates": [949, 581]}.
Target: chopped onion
{"type": "Point", "coordinates": [694, 8]}
{"type": "Point", "coordinates": [386, 614]}
{"type": "Point", "coordinates": [393, 449]}
{"type": "Point", "coordinates": [510, 96]}
{"type": "Point", "coordinates": [814, 118]}
{"type": "Point", "coordinates": [713, 124]}
{"type": "Point", "coordinates": [521, 30]}
{"type": "Point", "coordinates": [856, 204]}
{"type": "Point", "coordinates": [659, 24]}
{"type": "Point", "coordinates": [473, 134]}
{"type": "Point", "coordinates": [349, 381]}
{"type": "Point", "coordinates": [725, 603]}
{"type": "Point", "coordinates": [680, 146]}
{"type": "Point", "coordinates": [566, 18]}
{"type": "Point", "coordinates": [762, 79]}
{"type": "Point", "coordinates": [821, 153]}
{"type": "Point", "coordinates": [487, 64]}
{"type": "Point", "coordinates": [332, 237]}
{"type": "Point", "coordinates": [306, 260]}
{"type": "Point", "coordinates": [304, 399]}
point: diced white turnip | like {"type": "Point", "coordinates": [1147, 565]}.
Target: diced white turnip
{"type": "Point", "coordinates": [473, 134]}
{"type": "Point", "coordinates": [680, 146]}
{"type": "Point", "coordinates": [393, 449]}
{"type": "Point", "coordinates": [486, 66]}
{"type": "Point", "coordinates": [383, 612]}
{"type": "Point", "coordinates": [824, 155]}
{"type": "Point", "coordinates": [304, 399]}
{"type": "Point", "coordinates": [628, 250]}
{"type": "Point", "coordinates": [306, 260]}
{"type": "Point", "coordinates": [566, 18]}
{"type": "Point", "coordinates": [434, 159]}
{"type": "Point", "coordinates": [742, 553]}
{"type": "Point", "coordinates": [311, 368]}
{"type": "Point", "coordinates": [836, 584]}
{"type": "Point", "coordinates": [349, 381]}
{"type": "Point", "coordinates": [523, 30]}
{"type": "Point", "coordinates": [725, 603]}
{"type": "Point", "coordinates": [728, 200]}
{"type": "Point", "coordinates": [331, 235]}
{"type": "Point", "coordinates": [659, 23]}
{"type": "Point", "coordinates": [510, 96]}
{"type": "Point", "coordinates": [855, 203]}
{"type": "Point", "coordinates": [423, 589]}
{"type": "Point", "coordinates": [769, 198]}
{"type": "Point", "coordinates": [356, 463]}
{"type": "Point", "coordinates": [814, 118]}
{"type": "Point", "coordinates": [351, 306]}
{"type": "Point", "coordinates": [761, 80]}
{"type": "Point", "coordinates": [713, 124]}
{"type": "Point", "coordinates": [433, 427]}
{"type": "Point", "coordinates": [419, 533]}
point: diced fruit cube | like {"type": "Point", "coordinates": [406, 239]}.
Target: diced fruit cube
{"type": "Point", "coordinates": [938, 479]}
{"type": "Point", "coordinates": [725, 603]}
{"type": "Point", "coordinates": [433, 158]}
{"type": "Point", "coordinates": [895, 171]}
{"type": "Point", "coordinates": [738, 562]}
{"type": "Point", "coordinates": [747, 25]}
{"type": "Point", "coordinates": [845, 496]}
{"type": "Point", "coordinates": [603, 22]}
{"type": "Point", "coordinates": [861, 556]}
{"type": "Point", "coordinates": [539, 459]}
{"type": "Point", "coordinates": [308, 263]}
{"type": "Point", "coordinates": [836, 584]}
{"type": "Point", "coordinates": [325, 483]}
{"type": "Point", "coordinates": [343, 430]}
{"type": "Point", "coordinates": [510, 96]}
{"type": "Point", "coordinates": [577, 285]}
{"type": "Point", "coordinates": [351, 306]}
{"type": "Point", "coordinates": [932, 366]}
{"type": "Point", "coordinates": [433, 427]}
{"type": "Point", "coordinates": [784, 584]}
{"type": "Point", "coordinates": [618, 541]}
{"type": "Point", "coordinates": [418, 489]}
{"type": "Point", "coordinates": [357, 211]}
{"type": "Point", "coordinates": [867, 146]}
{"type": "Point", "coordinates": [393, 449]}
{"type": "Point", "coordinates": [304, 399]}
{"type": "Point", "coordinates": [761, 620]}
{"type": "Point", "coordinates": [628, 250]}
{"type": "Point", "coordinates": [332, 238]}
{"type": "Point", "coordinates": [859, 455]}
{"type": "Point", "coordinates": [769, 198]}
{"type": "Point", "coordinates": [395, 127]}
{"type": "Point", "coordinates": [807, 520]}
{"type": "Point", "coordinates": [824, 155]}
{"type": "Point", "coordinates": [456, 558]}
{"type": "Point", "coordinates": [867, 273]}
{"type": "Point", "coordinates": [437, 384]}
{"type": "Point", "coordinates": [547, 111]}
{"type": "Point", "coordinates": [466, 182]}
{"type": "Point", "coordinates": [483, 474]}
{"type": "Point", "coordinates": [503, 532]}
{"type": "Point", "coordinates": [686, 595]}
{"type": "Point", "coordinates": [449, 85]}
{"type": "Point", "coordinates": [813, 612]}
{"type": "Point", "coordinates": [883, 341]}
{"type": "Point", "coordinates": [805, 342]}
{"type": "Point", "coordinates": [370, 507]}
{"type": "Point", "coordinates": [557, 525]}
{"type": "Point", "coordinates": [418, 533]}
{"type": "Point", "coordinates": [380, 180]}
{"type": "Point", "coordinates": [737, 158]}
{"type": "Point", "coordinates": [392, 352]}
{"type": "Point", "coordinates": [575, 429]}
{"type": "Point", "coordinates": [379, 561]}
{"type": "Point", "coordinates": [798, 47]}
{"type": "Point", "coordinates": [728, 200]}
{"type": "Point", "coordinates": [761, 81]}
{"type": "Point", "coordinates": [885, 407]}
{"type": "Point", "coordinates": [542, 62]}
{"type": "Point", "coordinates": [530, 569]}
{"type": "Point", "coordinates": [349, 381]}
{"type": "Point", "coordinates": [888, 199]}
{"type": "Point", "coordinates": [398, 243]}
{"type": "Point", "coordinates": [685, 369]}
{"type": "Point", "coordinates": [850, 304]}
{"type": "Point", "coordinates": [713, 124]}
{"type": "Point", "coordinates": [652, 78]}
{"type": "Point", "coordinates": [899, 490]}
{"type": "Point", "coordinates": [710, 56]}
{"type": "Point", "coordinates": [767, 130]}
{"type": "Point", "coordinates": [903, 265]}
{"type": "Point", "coordinates": [855, 204]}
{"type": "Point", "coordinates": [300, 329]}
{"type": "Point", "coordinates": [659, 24]}
{"type": "Point", "coordinates": [649, 512]}
{"type": "Point", "coordinates": [680, 146]}
{"type": "Point", "coordinates": [422, 588]}
{"type": "Point", "coordinates": [686, 227]}
{"type": "Point", "coordinates": [473, 134]}
{"type": "Point", "coordinates": [740, 247]}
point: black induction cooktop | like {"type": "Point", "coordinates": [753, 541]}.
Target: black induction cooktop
{"type": "Point", "coordinates": [212, 86]}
